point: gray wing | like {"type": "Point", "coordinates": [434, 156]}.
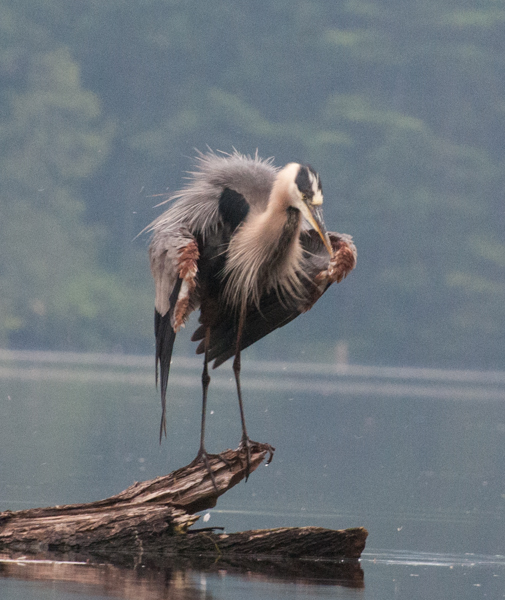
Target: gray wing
{"type": "Point", "coordinates": [219, 192]}
{"type": "Point", "coordinates": [173, 255]}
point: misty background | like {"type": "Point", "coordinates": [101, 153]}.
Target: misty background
{"type": "Point", "coordinates": [399, 105]}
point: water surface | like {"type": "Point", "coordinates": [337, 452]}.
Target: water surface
{"type": "Point", "coordinates": [415, 456]}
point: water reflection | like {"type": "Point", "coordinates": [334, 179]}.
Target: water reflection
{"type": "Point", "coordinates": [106, 580]}
{"type": "Point", "coordinates": [179, 578]}
{"type": "Point", "coordinates": [390, 574]}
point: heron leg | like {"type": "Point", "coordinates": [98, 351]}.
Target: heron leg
{"type": "Point", "coordinates": [245, 441]}
{"type": "Point", "coordinates": [203, 455]}
{"type": "Point", "coordinates": [205, 390]}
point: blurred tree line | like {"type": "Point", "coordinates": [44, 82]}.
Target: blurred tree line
{"type": "Point", "coordinates": [399, 105]}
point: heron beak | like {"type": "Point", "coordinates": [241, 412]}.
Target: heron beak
{"type": "Point", "coordinates": [312, 217]}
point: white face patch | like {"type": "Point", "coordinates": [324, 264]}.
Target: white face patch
{"type": "Point", "coordinates": [317, 199]}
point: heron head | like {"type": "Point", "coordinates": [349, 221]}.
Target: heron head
{"type": "Point", "coordinates": [306, 194]}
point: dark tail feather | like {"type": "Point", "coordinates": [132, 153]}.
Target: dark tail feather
{"type": "Point", "coordinates": [165, 338]}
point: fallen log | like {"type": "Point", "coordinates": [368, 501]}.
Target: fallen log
{"type": "Point", "coordinates": [153, 517]}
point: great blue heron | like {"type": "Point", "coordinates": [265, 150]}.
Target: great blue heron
{"type": "Point", "coordinates": [244, 242]}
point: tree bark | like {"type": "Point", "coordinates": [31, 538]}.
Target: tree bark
{"type": "Point", "coordinates": [153, 517]}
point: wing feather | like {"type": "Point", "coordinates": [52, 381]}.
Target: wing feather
{"type": "Point", "coordinates": [173, 253]}
{"type": "Point", "coordinates": [273, 311]}
{"type": "Point", "coordinates": [165, 338]}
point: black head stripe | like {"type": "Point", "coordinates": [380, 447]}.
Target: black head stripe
{"type": "Point", "coordinates": [304, 180]}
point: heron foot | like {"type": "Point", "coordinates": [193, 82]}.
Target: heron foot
{"type": "Point", "coordinates": [246, 445]}
{"type": "Point", "coordinates": [204, 456]}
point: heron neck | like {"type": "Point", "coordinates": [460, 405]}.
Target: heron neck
{"type": "Point", "coordinates": [264, 254]}
{"type": "Point", "coordinates": [282, 254]}
{"type": "Point", "coordinates": [285, 235]}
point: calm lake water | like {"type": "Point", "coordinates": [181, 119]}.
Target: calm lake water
{"type": "Point", "coordinates": [415, 456]}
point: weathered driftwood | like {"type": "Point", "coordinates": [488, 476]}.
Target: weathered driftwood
{"type": "Point", "coordinates": [153, 517]}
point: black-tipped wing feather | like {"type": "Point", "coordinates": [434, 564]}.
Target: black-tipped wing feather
{"type": "Point", "coordinates": [165, 338]}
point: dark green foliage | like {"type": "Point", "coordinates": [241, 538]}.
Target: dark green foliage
{"type": "Point", "coordinates": [398, 105]}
